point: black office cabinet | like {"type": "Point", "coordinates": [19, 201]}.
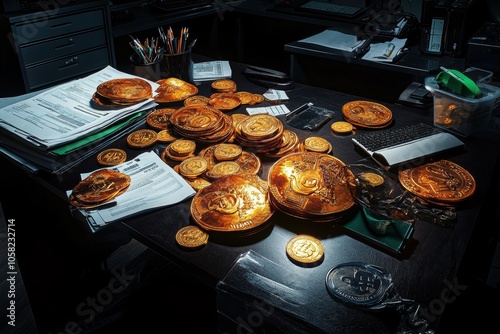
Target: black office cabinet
{"type": "Point", "coordinates": [60, 44]}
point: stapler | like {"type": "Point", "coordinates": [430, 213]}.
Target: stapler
{"type": "Point", "coordinates": [267, 77]}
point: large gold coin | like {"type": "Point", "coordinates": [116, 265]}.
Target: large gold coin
{"type": "Point", "coordinates": [441, 181]}
{"type": "Point", "coordinates": [341, 127]}
{"type": "Point", "coordinates": [225, 101]}
{"type": "Point", "coordinates": [305, 249]}
{"type": "Point", "coordinates": [111, 157]}
{"type": "Point", "coordinates": [232, 203]}
{"type": "Point", "coordinates": [125, 89]}
{"type": "Point", "coordinates": [260, 126]}
{"type": "Point", "coordinates": [367, 113]}
{"type": "Point", "coordinates": [142, 138]}
{"type": "Point", "coordinates": [191, 237]}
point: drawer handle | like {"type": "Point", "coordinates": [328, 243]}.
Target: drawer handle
{"type": "Point", "coordinates": [61, 25]}
{"type": "Point", "coordinates": [69, 44]}
{"type": "Point", "coordinates": [71, 61]}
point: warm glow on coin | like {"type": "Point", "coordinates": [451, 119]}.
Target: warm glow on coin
{"type": "Point", "coordinates": [341, 127]}
{"type": "Point", "coordinates": [305, 249]}
{"type": "Point", "coordinates": [191, 237]}
{"type": "Point", "coordinates": [372, 178]}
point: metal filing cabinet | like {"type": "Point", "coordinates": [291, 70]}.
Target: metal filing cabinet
{"type": "Point", "coordinates": [63, 43]}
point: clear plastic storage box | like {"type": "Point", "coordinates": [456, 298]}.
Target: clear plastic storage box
{"type": "Point", "coordinates": [461, 115]}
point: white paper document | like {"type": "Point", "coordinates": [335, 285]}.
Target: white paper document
{"type": "Point", "coordinates": [335, 40]}
{"type": "Point", "coordinates": [211, 70]}
{"type": "Point", "coordinates": [65, 113]}
{"type": "Point", "coordinates": [154, 184]}
{"type": "Point", "coordinates": [386, 51]}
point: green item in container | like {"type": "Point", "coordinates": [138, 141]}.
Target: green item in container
{"type": "Point", "coordinates": [458, 83]}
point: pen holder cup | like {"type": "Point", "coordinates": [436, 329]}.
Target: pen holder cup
{"type": "Point", "coordinates": [178, 65]}
{"type": "Point", "coordinates": [151, 71]}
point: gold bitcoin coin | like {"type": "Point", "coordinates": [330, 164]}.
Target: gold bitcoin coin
{"type": "Point", "coordinates": [111, 157]}
{"type": "Point", "coordinates": [224, 85]}
{"type": "Point", "coordinates": [256, 98]}
{"type": "Point", "coordinates": [341, 127]}
{"type": "Point", "coordinates": [317, 144]}
{"type": "Point", "coordinates": [165, 136]}
{"type": "Point", "coordinates": [142, 138]}
{"type": "Point", "coordinates": [197, 100]}
{"type": "Point", "coordinates": [305, 249]}
{"type": "Point", "coordinates": [158, 118]}
{"type": "Point", "coordinates": [225, 151]}
{"type": "Point", "coordinates": [191, 237]}
{"type": "Point", "coordinates": [224, 168]}
{"type": "Point", "coordinates": [372, 178]}
{"type": "Point", "coordinates": [193, 167]}
{"type": "Point", "coordinates": [245, 97]}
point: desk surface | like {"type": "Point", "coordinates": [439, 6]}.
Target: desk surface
{"type": "Point", "coordinates": [422, 272]}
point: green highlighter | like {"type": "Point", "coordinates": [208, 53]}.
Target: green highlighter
{"type": "Point", "coordinates": [458, 83]}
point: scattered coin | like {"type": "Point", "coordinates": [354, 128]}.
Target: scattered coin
{"type": "Point", "coordinates": [372, 178]}
{"type": "Point", "coordinates": [191, 237]}
{"type": "Point", "coordinates": [142, 138]}
{"type": "Point", "coordinates": [165, 136]}
{"type": "Point", "coordinates": [341, 127]}
{"type": "Point", "coordinates": [111, 157]}
{"type": "Point", "coordinates": [305, 249]}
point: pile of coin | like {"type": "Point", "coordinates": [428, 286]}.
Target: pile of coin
{"type": "Point", "coordinates": [442, 182]}
{"type": "Point", "coordinates": [310, 185]}
{"type": "Point", "coordinates": [178, 150]}
{"type": "Point", "coordinates": [174, 90]}
{"type": "Point", "coordinates": [316, 144]}
{"type": "Point", "coordinates": [121, 92]}
{"type": "Point", "coordinates": [367, 114]}
{"type": "Point", "coordinates": [204, 124]}
{"type": "Point", "coordinates": [98, 188]}
{"type": "Point", "coordinates": [260, 132]}
{"type": "Point", "coordinates": [236, 204]}
{"type": "Point", "coordinates": [290, 143]}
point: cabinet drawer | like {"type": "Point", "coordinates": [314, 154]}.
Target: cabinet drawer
{"type": "Point", "coordinates": [65, 68]}
{"type": "Point", "coordinates": [34, 53]}
{"type": "Point", "coordinates": [62, 25]}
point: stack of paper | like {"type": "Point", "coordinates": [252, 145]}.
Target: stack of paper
{"type": "Point", "coordinates": [153, 184]}
{"type": "Point", "coordinates": [211, 70]}
{"type": "Point", "coordinates": [59, 127]}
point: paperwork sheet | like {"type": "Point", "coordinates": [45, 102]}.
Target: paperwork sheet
{"type": "Point", "coordinates": [64, 113]}
{"type": "Point", "coordinates": [154, 184]}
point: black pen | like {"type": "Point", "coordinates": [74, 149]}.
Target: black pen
{"type": "Point", "coordinates": [192, 44]}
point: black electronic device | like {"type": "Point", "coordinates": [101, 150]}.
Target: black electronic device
{"type": "Point", "coordinates": [447, 24]}
{"type": "Point", "coordinates": [484, 48]}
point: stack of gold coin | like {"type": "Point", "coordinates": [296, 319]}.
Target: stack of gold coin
{"type": "Point", "coordinates": [316, 144]}
{"type": "Point", "coordinates": [202, 123]}
{"type": "Point", "coordinates": [249, 162]}
{"type": "Point", "coordinates": [260, 132]}
{"type": "Point", "coordinates": [142, 138]}
{"type": "Point", "coordinates": [312, 186]}
{"type": "Point", "coordinates": [367, 114]}
{"type": "Point", "coordinates": [236, 204]}
{"type": "Point", "coordinates": [122, 92]}
{"type": "Point", "coordinates": [193, 167]}
{"type": "Point", "coordinates": [179, 150]}
{"type": "Point", "coordinates": [442, 182]}
{"type": "Point", "coordinates": [173, 90]}
{"type": "Point", "coordinates": [224, 86]}
{"type": "Point", "coordinates": [290, 143]}
{"type": "Point", "coordinates": [98, 188]}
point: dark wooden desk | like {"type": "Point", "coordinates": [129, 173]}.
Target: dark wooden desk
{"type": "Point", "coordinates": [423, 272]}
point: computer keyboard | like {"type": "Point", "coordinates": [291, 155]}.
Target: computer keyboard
{"type": "Point", "coordinates": [397, 145]}
{"type": "Point", "coordinates": [326, 6]}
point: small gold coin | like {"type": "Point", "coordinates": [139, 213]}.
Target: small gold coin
{"type": "Point", "coordinates": [372, 178]}
{"type": "Point", "coordinates": [245, 97]}
{"type": "Point", "coordinates": [224, 168]}
{"type": "Point", "coordinates": [196, 100]}
{"type": "Point", "coordinates": [191, 237]}
{"type": "Point", "coordinates": [111, 157]}
{"type": "Point", "coordinates": [193, 167]}
{"type": "Point", "coordinates": [142, 138]}
{"type": "Point", "coordinates": [305, 249]}
{"type": "Point", "coordinates": [226, 151]}
{"type": "Point", "coordinates": [341, 127]}
{"type": "Point", "coordinates": [317, 144]}
{"type": "Point", "coordinates": [182, 147]}
{"type": "Point", "coordinates": [224, 85]}
{"type": "Point", "coordinates": [165, 136]}
{"type": "Point", "coordinates": [256, 98]}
